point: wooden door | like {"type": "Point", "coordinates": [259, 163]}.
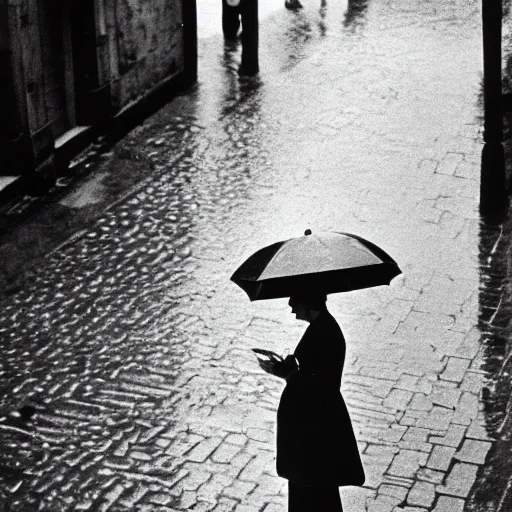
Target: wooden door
{"type": "Point", "coordinates": [57, 65]}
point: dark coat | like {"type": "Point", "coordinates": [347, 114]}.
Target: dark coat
{"type": "Point", "coordinates": [315, 440]}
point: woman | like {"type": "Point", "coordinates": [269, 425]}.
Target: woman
{"type": "Point", "coordinates": [316, 447]}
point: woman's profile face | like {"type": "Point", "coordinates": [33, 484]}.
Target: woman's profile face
{"type": "Point", "coordinates": [298, 308]}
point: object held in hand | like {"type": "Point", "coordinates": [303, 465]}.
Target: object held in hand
{"type": "Point", "coordinates": [267, 353]}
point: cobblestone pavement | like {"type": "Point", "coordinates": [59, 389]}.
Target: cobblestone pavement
{"type": "Point", "coordinates": [132, 347]}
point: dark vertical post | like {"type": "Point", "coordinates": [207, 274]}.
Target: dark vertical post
{"type": "Point", "coordinates": [190, 39]}
{"type": "Point", "coordinates": [250, 36]}
{"type": "Point", "coordinates": [493, 190]}
{"type": "Point", "coordinates": [230, 21]}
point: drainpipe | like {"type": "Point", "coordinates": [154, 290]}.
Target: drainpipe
{"type": "Point", "coordinates": [493, 189]}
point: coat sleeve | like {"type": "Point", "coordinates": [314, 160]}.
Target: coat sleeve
{"type": "Point", "coordinates": [320, 354]}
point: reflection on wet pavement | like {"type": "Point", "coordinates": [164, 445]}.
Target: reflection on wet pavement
{"type": "Point", "coordinates": [495, 306]}
{"type": "Point", "coordinates": [355, 14]}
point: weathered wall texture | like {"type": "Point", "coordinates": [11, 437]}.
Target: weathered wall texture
{"type": "Point", "coordinates": [32, 63]}
{"type": "Point", "coordinates": [73, 65]}
{"type": "Point", "coordinates": [6, 86]}
{"type": "Point", "coordinates": [150, 45]}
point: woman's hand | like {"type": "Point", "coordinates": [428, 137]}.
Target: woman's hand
{"type": "Point", "coordinates": [275, 365]}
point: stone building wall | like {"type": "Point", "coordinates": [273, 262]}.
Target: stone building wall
{"type": "Point", "coordinates": [150, 44]}
{"type": "Point", "coordinates": [75, 66]}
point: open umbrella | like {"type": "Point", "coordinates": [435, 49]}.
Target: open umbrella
{"type": "Point", "coordinates": [325, 263]}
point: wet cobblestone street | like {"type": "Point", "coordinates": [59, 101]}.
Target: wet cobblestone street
{"type": "Point", "coordinates": [132, 346]}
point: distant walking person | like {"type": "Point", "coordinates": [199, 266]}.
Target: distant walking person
{"type": "Point", "coordinates": [244, 13]}
{"type": "Point", "coordinates": [316, 446]}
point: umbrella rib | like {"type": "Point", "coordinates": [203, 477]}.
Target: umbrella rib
{"type": "Point", "coordinates": [281, 249]}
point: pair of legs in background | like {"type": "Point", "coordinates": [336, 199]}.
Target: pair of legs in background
{"type": "Point", "coordinates": [243, 13]}
{"type": "Point", "coordinates": [313, 499]}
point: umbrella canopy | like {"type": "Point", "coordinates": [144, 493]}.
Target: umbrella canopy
{"type": "Point", "coordinates": [315, 263]}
